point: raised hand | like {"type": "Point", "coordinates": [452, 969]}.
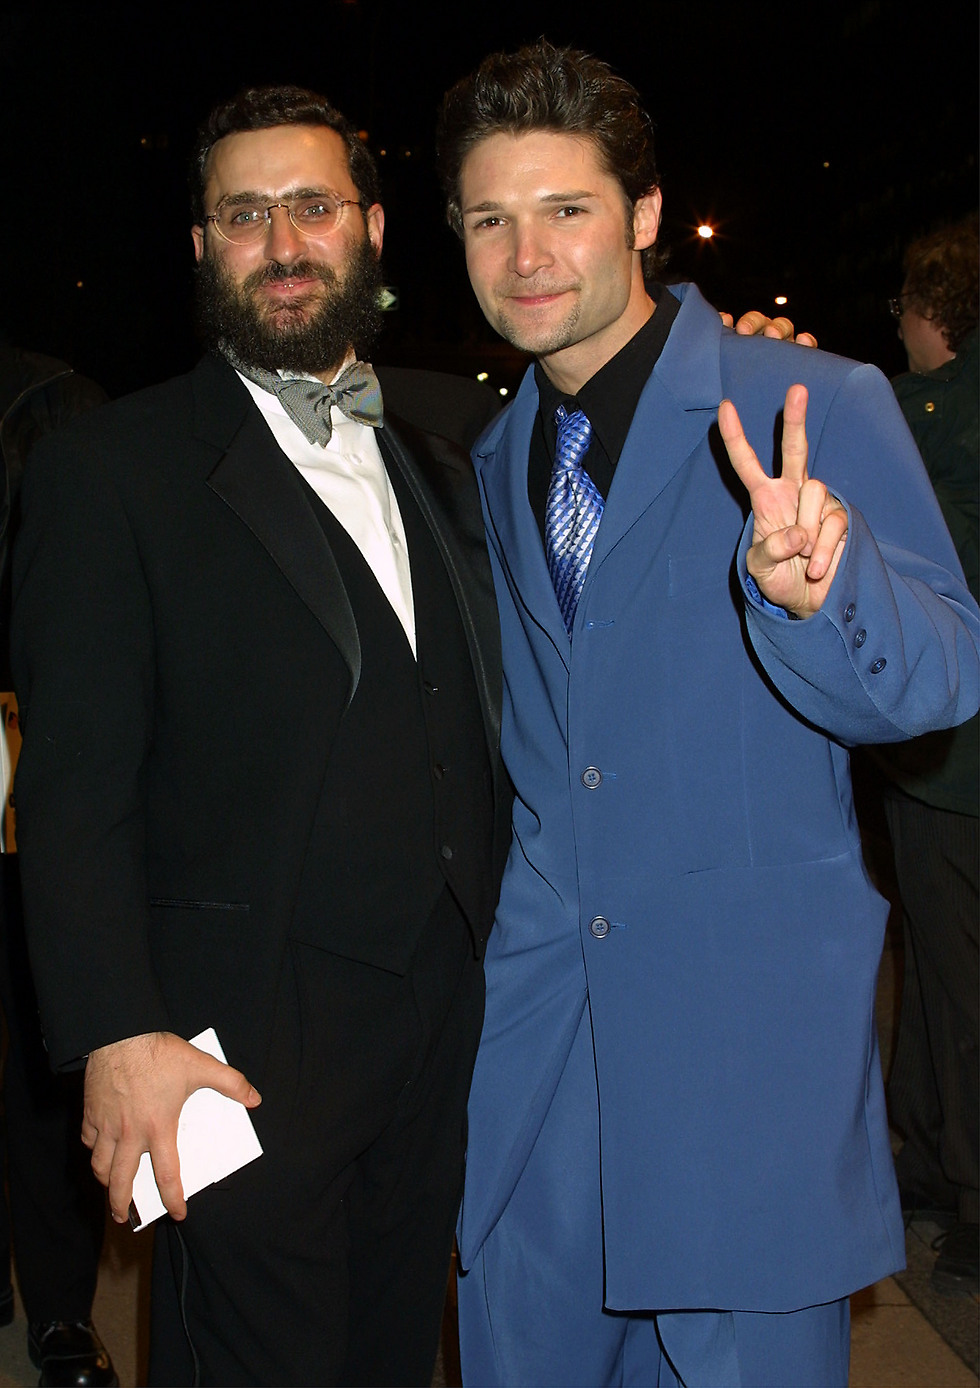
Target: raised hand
{"type": "Point", "coordinates": [134, 1091]}
{"type": "Point", "coordinates": [799, 528]}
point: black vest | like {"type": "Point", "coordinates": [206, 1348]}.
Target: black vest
{"type": "Point", "coordinates": [406, 804]}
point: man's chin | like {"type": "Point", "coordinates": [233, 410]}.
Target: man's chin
{"type": "Point", "coordinates": [297, 308]}
{"type": "Point", "coordinates": [287, 319]}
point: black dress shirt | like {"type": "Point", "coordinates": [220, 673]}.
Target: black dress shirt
{"type": "Point", "coordinates": [609, 398]}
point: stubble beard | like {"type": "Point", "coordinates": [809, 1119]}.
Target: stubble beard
{"type": "Point", "coordinates": [311, 335]}
{"type": "Point", "coordinates": [541, 342]}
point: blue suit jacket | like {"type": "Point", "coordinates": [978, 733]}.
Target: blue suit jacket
{"type": "Point", "coordinates": [744, 1149]}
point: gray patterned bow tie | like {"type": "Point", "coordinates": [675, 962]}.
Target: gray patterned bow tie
{"type": "Point", "coordinates": [355, 392]}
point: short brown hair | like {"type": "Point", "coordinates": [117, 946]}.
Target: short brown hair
{"type": "Point", "coordinates": [942, 278]}
{"type": "Point", "coordinates": [261, 108]}
{"type": "Point", "coordinates": [542, 87]}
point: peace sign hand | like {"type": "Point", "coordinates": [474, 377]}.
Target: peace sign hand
{"type": "Point", "coordinates": [799, 527]}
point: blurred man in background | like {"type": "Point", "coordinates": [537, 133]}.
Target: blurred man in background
{"type": "Point", "coordinates": [932, 789]}
{"type": "Point", "coordinates": [56, 1212]}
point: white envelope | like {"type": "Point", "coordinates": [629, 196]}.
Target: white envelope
{"type": "Point", "coordinates": [215, 1137]}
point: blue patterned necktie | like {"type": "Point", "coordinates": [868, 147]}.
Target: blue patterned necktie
{"type": "Point", "coordinates": [572, 512]}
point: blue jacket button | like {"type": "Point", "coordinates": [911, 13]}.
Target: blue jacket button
{"type": "Point", "coordinates": [860, 637]}
{"type": "Point", "coordinates": [849, 612]}
{"type": "Point", "coordinates": [591, 777]}
{"type": "Point", "coordinates": [599, 927]}
{"type": "Point", "coordinates": [879, 665]}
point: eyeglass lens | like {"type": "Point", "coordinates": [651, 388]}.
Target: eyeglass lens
{"type": "Point", "coordinates": [312, 216]}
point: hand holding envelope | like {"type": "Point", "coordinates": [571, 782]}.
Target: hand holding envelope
{"type": "Point", "coordinates": [137, 1093]}
{"type": "Point", "coordinates": [215, 1137]}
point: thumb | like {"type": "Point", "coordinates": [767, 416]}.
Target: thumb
{"type": "Point", "coordinates": [210, 1073]}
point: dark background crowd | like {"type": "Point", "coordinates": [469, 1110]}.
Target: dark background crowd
{"type": "Point", "coordinates": [817, 141]}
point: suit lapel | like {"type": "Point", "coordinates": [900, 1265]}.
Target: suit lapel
{"type": "Point", "coordinates": [501, 462]}
{"type": "Point", "coordinates": [677, 407]}
{"type": "Point", "coordinates": [259, 483]}
{"type": "Point", "coordinates": [449, 505]}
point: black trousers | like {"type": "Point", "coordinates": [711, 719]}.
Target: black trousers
{"type": "Point", "coordinates": [934, 1087]}
{"type": "Point", "coordinates": [325, 1261]}
{"type": "Point", "coordinates": [56, 1215]}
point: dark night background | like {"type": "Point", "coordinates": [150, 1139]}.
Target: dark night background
{"type": "Point", "coordinates": [818, 139]}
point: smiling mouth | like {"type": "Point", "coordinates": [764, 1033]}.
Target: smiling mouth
{"type": "Point", "coordinates": [275, 285]}
{"type": "Point", "coordinates": [541, 296]}
{"type": "Point", "coordinates": [280, 279]}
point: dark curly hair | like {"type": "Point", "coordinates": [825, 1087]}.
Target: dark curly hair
{"type": "Point", "coordinates": [942, 278]}
{"type": "Point", "coordinates": [542, 87]}
{"type": "Point", "coordinates": [261, 108]}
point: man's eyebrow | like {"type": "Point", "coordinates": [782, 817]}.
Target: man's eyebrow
{"type": "Point", "coordinates": [558, 199]}
{"type": "Point", "coordinates": [579, 195]}
{"type": "Point", "coordinates": [245, 195]}
{"type": "Point", "coordinates": [250, 196]}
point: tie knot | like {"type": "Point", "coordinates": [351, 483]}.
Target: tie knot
{"type": "Point", "coordinates": [355, 393]}
{"type": "Point", "coordinates": [573, 437]}
{"type": "Point", "coordinates": [307, 402]}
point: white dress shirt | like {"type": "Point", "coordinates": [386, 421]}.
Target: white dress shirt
{"type": "Point", "coordinates": [349, 477]}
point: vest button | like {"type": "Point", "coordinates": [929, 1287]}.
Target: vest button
{"type": "Point", "coordinates": [599, 927]}
{"type": "Point", "coordinates": [591, 777]}
{"type": "Point", "coordinates": [446, 851]}
{"type": "Point", "coordinates": [860, 638]}
{"type": "Point", "coordinates": [439, 770]}
{"type": "Point", "coordinates": [849, 612]}
{"type": "Point", "coordinates": [879, 665]}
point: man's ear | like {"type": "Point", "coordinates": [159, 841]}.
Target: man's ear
{"type": "Point", "coordinates": [374, 219]}
{"type": "Point", "coordinates": [646, 219]}
{"type": "Point", "coordinates": [197, 236]}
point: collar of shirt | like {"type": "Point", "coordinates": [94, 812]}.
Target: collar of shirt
{"type": "Point", "coordinates": [609, 398]}
{"type": "Point", "coordinates": [349, 476]}
{"type": "Point", "coordinates": [348, 438]}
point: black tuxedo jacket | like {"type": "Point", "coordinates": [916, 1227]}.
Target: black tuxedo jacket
{"type": "Point", "coordinates": [184, 651]}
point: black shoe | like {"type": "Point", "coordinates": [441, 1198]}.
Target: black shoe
{"type": "Point", "coordinates": [6, 1306]}
{"type": "Point", "coordinates": [957, 1267]}
{"type": "Point", "coordinates": [69, 1355]}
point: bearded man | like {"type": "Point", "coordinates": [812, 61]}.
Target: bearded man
{"type": "Point", "coordinates": [257, 661]}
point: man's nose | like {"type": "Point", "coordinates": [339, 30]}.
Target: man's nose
{"type": "Point", "coordinates": [283, 243]}
{"type": "Point", "coordinates": [530, 251]}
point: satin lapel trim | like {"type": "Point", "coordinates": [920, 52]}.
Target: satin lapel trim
{"type": "Point", "coordinates": [256, 479]}
{"type": "Point", "coordinates": [474, 592]}
{"type": "Point", "coordinates": [501, 464]}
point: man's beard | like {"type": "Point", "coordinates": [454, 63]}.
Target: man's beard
{"type": "Point", "coordinates": [302, 337]}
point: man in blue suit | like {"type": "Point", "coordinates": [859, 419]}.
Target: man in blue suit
{"type": "Point", "coordinates": [678, 1163]}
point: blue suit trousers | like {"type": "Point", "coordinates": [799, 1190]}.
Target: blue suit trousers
{"type": "Point", "coordinates": [531, 1307]}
